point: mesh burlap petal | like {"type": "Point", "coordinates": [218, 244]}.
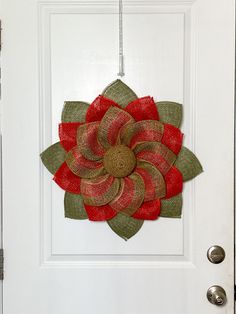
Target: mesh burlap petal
{"type": "Point", "coordinates": [53, 157]}
{"type": "Point", "coordinates": [98, 108]}
{"type": "Point", "coordinates": [155, 186]}
{"type": "Point", "coordinates": [170, 112]}
{"type": "Point", "coordinates": [87, 141]}
{"type": "Point", "coordinates": [100, 213]}
{"type": "Point", "coordinates": [143, 109]}
{"type": "Point", "coordinates": [110, 126]}
{"type": "Point", "coordinates": [74, 206]}
{"type": "Point", "coordinates": [142, 131]}
{"type": "Point", "coordinates": [130, 196]}
{"type": "Point", "coordinates": [157, 154]}
{"type": "Point", "coordinates": [68, 134]}
{"type": "Point", "coordinates": [172, 138]}
{"type": "Point", "coordinates": [172, 207]}
{"type": "Point", "coordinates": [83, 167]}
{"type": "Point", "coordinates": [188, 164]}
{"type": "Point", "coordinates": [125, 226]}
{"type": "Point", "coordinates": [149, 210]}
{"type": "Point", "coordinates": [67, 180]}
{"type": "Point", "coordinates": [120, 93]}
{"type": "Point", "coordinates": [99, 191]}
{"type": "Point", "coordinates": [174, 182]}
{"type": "Point", "coordinates": [74, 111]}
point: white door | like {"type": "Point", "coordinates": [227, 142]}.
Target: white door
{"type": "Point", "coordinates": [54, 51]}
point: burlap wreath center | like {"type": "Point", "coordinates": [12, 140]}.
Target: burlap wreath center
{"type": "Point", "coordinates": [119, 161]}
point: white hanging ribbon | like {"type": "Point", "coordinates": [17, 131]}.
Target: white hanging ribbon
{"type": "Point", "coordinates": [121, 49]}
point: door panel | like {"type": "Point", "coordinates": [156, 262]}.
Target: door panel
{"type": "Point", "coordinates": [174, 50]}
{"type": "Point", "coordinates": [82, 64]}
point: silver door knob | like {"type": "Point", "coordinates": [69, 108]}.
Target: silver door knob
{"type": "Point", "coordinates": [216, 254]}
{"type": "Point", "coordinates": [216, 295]}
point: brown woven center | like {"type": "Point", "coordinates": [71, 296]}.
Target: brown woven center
{"type": "Point", "coordinates": [119, 161]}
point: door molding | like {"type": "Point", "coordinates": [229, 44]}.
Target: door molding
{"type": "Point", "coordinates": [46, 11]}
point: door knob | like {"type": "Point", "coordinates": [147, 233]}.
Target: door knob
{"type": "Point", "coordinates": [216, 295]}
{"type": "Point", "coordinates": [216, 254]}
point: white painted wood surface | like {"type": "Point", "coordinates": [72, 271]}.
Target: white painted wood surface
{"type": "Point", "coordinates": [55, 51]}
{"type": "Point", "coordinates": [1, 207]}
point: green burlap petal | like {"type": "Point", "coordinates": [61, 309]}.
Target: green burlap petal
{"type": "Point", "coordinates": [53, 157]}
{"type": "Point", "coordinates": [74, 111]}
{"type": "Point", "coordinates": [170, 112]}
{"type": "Point", "coordinates": [188, 164]}
{"type": "Point", "coordinates": [125, 226]}
{"type": "Point", "coordinates": [74, 206]}
{"type": "Point", "coordinates": [120, 93]}
{"type": "Point", "coordinates": [172, 207]}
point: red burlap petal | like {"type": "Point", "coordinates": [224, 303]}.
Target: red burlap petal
{"type": "Point", "coordinates": [98, 108]}
{"type": "Point", "coordinates": [100, 213]}
{"type": "Point", "coordinates": [172, 138]}
{"type": "Point", "coordinates": [149, 210]}
{"type": "Point", "coordinates": [99, 191]}
{"type": "Point", "coordinates": [68, 133]}
{"type": "Point", "coordinates": [174, 182]}
{"type": "Point", "coordinates": [143, 109]}
{"type": "Point", "coordinates": [111, 124]}
{"type": "Point", "coordinates": [130, 196]}
{"type": "Point", "coordinates": [67, 180]}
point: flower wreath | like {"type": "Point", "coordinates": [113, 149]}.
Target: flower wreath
{"type": "Point", "coordinates": [121, 159]}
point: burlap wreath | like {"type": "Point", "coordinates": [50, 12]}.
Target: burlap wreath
{"type": "Point", "coordinates": [121, 159]}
